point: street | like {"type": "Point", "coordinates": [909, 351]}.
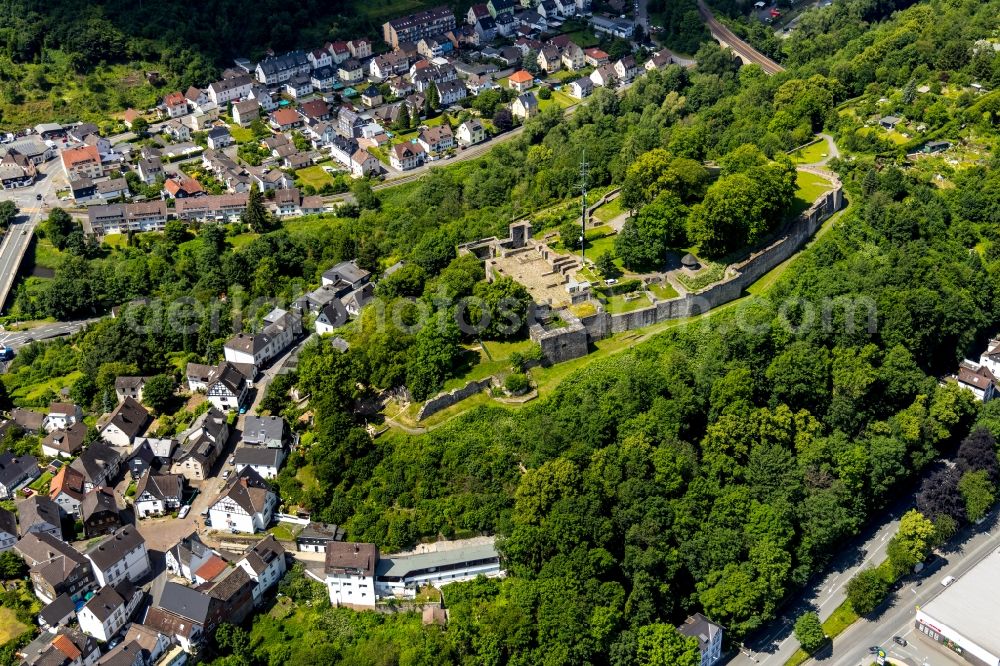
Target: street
{"type": "Point", "coordinates": [20, 338]}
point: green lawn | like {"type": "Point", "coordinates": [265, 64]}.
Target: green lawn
{"type": "Point", "coordinates": [284, 531]}
{"type": "Point", "coordinates": [494, 358]}
{"type": "Point", "coordinates": [240, 134]}
{"type": "Point", "coordinates": [309, 223]}
{"type": "Point", "coordinates": [811, 154]}
{"type": "Point", "coordinates": [10, 626]}
{"type": "Point", "coordinates": [41, 484]}
{"type": "Point", "coordinates": [315, 176]}
{"type": "Point", "coordinates": [663, 290]}
{"type": "Point", "coordinates": [46, 255]}
{"type": "Point", "coordinates": [710, 274]}
{"type": "Point", "coordinates": [618, 304]}
{"type": "Point", "coordinates": [841, 618]}
{"type": "Point", "coordinates": [115, 240]}
{"type": "Point", "coordinates": [610, 210]}
{"type": "Point", "coordinates": [809, 187]}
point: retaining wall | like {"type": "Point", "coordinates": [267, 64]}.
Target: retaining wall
{"type": "Point", "coordinates": [445, 400]}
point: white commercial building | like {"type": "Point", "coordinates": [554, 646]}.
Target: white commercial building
{"type": "Point", "coordinates": [964, 617]}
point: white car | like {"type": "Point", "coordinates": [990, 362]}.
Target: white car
{"type": "Point", "coordinates": [184, 511]}
{"type": "Point", "coordinates": [948, 581]}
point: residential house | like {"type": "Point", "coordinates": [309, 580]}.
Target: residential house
{"type": "Point", "coordinates": [28, 421]}
{"type": "Point", "coordinates": [8, 529]}
{"type": "Point", "coordinates": [264, 461]}
{"type": "Point", "coordinates": [99, 513]}
{"type": "Point", "coordinates": [524, 106]}
{"type": "Point", "coordinates": [615, 27]}
{"type": "Point", "coordinates": [371, 96]}
{"type": "Point", "coordinates": [109, 609]}
{"type": "Point", "coordinates": [299, 86]}
{"type": "Point", "coordinates": [227, 388]}
{"type": "Point", "coordinates": [626, 69]}
{"type": "Point", "coordinates": [350, 71]}
{"type": "Point", "coordinates": [285, 119]}
{"type": "Point", "coordinates": [61, 416]}
{"type": "Point", "coordinates": [595, 57]}
{"type": "Point", "coordinates": [82, 162]}
{"type": "Point", "coordinates": [531, 23]}
{"type": "Point", "coordinates": [331, 316]}
{"type": "Point", "coordinates": [548, 10]}
{"type": "Point", "coordinates": [264, 562]}
{"type": "Point", "coordinates": [64, 443]}
{"type": "Point", "coordinates": [126, 422]}
{"type": "Point", "coordinates": [187, 556]}
{"type": "Point", "coordinates": [120, 556]}
{"type": "Point", "coordinates": [175, 105]}
{"type": "Point", "coordinates": [363, 163]}
{"type": "Point", "coordinates": [67, 490]}
{"type": "Point", "coordinates": [451, 92]}
{"type": "Point", "coordinates": [219, 138]}
{"type": "Point", "coordinates": [39, 515]}
{"type": "Point", "coordinates": [582, 87]}
{"type": "Point", "coordinates": [889, 122]}
{"type": "Point", "coordinates": [264, 431]}
{"type": "Point", "coordinates": [82, 190]}
{"type": "Point", "coordinates": [64, 647]}
{"type": "Point", "coordinates": [349, 123]}
{"type": "Point", "coordinates": [521, 81]}
{"type": "Point", "coordinates": [406, 156]}
{"type": "Point", "coordinates": [55, 567]}
{"type": "Point", "coordinates": [201, 445]}
{"type": "Point", "coordinates": [497, 7]}
{"type": "Point", "coordinates": [979, 380]}
{"type": "Point", "coordinates": [659, 60]}
{"type": "Point", "coordinates": [177, 131]}
{"type": "Point", "coordinates": [232, 595]}
{"type": "Point", "coordinates": [212, 208]}
{"type": "Point", "coordinates": [604, 76]}
{"type": "Point", "coordinates": [572, 57]}
{"type": "Point", "coordinates": [436, 139]}
{"type": "Point", "coordinates": [246, 112]}
{"type": "Point", "coordinates": [150, 169]}
{"type": "Point", "coordinates": [549, 59]}
{"type": "Point", "coordinates": [179, 612]}
{"type": "Point", "coordinates": [14, 175]}
{"type": "Point", "coordinates": [99, 463]}
{"type": "Point", "coordinates": [262, 96]}
{"type": "Point", "coordinates": [470, 133]}
{"type": "Point", "coordinates": [476, 12]}
{"type": "Point", "coordinates": [182, 187]}
{"type": "Point", "coordinates": [345, 277]}
{"type": "Point", "coordinates": [709, 636]}
{"type": "Point", "coordinates": [413, 28]}
{"type": "Point", "coordinates": [229, 90]}
{"type": "Point", "coordinates": [349, 570]}
{"type": "Point", "coordinates": [477, 83]}
{"type": "Point", "coordinates": [314, 537]}
{"type": "Point", "coordinates": [280, 331]}
{"type": "Point", "coordinates": [506, 24]}
{"type": "Point", "coordinates": [60, 613]}
{"type": "Point", "coordinates": [338, 51]}
{"type": "Point", "coordinates": [246, 503]}
{"type": "Point", "coordinates": [111, 189]}
{"type": "Point", "coordinates": [360, 48]}
{"type": "Point", "coordinates": [141, 646]}
{"type": "Point", "coordinates": [196, 98]}
{"type": "Point", "coordinates": [485, 29]}
{"type": "Point", "coordinates": [151, 453]}
{"type": "Point", "coordinates": [315, 111]}
{"type": "Point", "coordinates": [16, 472]}
{"type": "Point", "coordinates": [158, 494]}
{"type": "Point", "coordinates": [275, 70]}
{"type": "Point", "coordinates": [319, 58]}
{"type": "Point", "coordinates": [401, 576]}
{"type": "Point", "coordinates": [384, 66]}
{"type": "Point", "coordinates": [434, 47]}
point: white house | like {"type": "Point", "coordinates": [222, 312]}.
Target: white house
{"type": "Point", "coordinates": [120, 556]}
{"type": "Point", "coordinates": [280, 330]}
{"type": "Point", "coordinates": [470, 133]}
{"type": "Point", "coordinates": [524, 106]}
{"type": "Point", "coordinates": [219, 138]}
{"type": "Point", "coordinates": [990, 359]}
{"type": "Point", "coordinates": [61, 416]}
{"type": "Point", "coordinates": [226, 388]}
{"type": "Point", "coordinates": [406, 156]}
{"type": "Point", "coordinates": [363, 163]}
{"type": "Point", "coordinates": [709, 637]}
{"type": "Point", "coordinates": [125, 423]}
{"type": "Point", "coordinates": [581, 88]}
{"type": "Point", "coordinates": [349, 570]}
{"type": "Point", "coordinates": [265, 563]}
{"type": "Point", "coordinates": [109, 609]}
{"type": "Point", "coordinates": [157, 494]}
{"type": "Point", "coordinates": [246, 504]}
{"type": "Point", "coordinates": [228, 90]}
{"type": "Point", "coordinates": [402, 576]}
{"type": "Point", "coordinates": [186, 556]}
{"type": "Point", "coordinates": [263, 460]}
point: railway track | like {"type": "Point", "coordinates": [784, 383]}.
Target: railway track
{"type": "Point", "coordinates": [728, 38]}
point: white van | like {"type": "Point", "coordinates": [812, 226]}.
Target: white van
{"type": "Point", "coordinates": [184, 511]}
{"type": "Point", "coordinates": [948, 581]}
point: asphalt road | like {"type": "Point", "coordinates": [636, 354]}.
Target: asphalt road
{"type": "Point", "coordinates": [851, 647]}
{"type": "Point", "coordinates": [738, 46]}
{"type": "Point", "coordinates": [20, 338]}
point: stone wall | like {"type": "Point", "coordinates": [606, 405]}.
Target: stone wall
{"type": "Point", "coordinates": [445, 400]}
{"type": "Point", "coordinates": [793, 238]}
{"type": "Point", "coordinates": [564, 343]}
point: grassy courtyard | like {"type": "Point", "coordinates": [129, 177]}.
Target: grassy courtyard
{"type": "Point", "coordinates": [811, 154]}
{"type": "Point", "coordinates": [315, 175]}
{"type": "Point", "coordinates": [610, 210]}
{"type": "Point", "coordinates": [10, 626]}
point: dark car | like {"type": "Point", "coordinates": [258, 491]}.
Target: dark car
{"type": "Point", "coordinates": [899, 640]}
{"type": "Point", "coordinates": [874, 649]}
{"type": "Point", "coordinates": [38, 197]}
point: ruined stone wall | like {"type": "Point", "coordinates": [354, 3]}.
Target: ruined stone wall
{"type": "Point", "coordinates": [445, 400]}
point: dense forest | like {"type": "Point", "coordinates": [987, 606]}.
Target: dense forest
{"type": "Point", "coordinates": [715, 467]}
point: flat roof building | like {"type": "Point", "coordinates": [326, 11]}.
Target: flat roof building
{"type": "Point", "coordinates": [964, 616]}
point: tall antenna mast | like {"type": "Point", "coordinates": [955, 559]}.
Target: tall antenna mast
{"type": "Point", "coordinates": [583, 215]}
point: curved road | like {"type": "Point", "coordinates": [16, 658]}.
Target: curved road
{"type": "Point", "coordinates": [726, 37]}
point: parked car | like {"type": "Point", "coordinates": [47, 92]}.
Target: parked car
{"type": "Point", "coordinates": [948, 581]}
{"type": "Point", "coordinates": [225, 475]}
{"type": "Point", "coordinates": [184, 511]}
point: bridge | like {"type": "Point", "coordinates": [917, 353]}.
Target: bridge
{"type": "Point", "coordinates": [727, 38]}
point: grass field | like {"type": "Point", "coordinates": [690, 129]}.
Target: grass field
{"type": "Point", "coordinates": [811, 154]}
{"type": "Point", "coordinates": [10, 626]}
{"type": "Point", "coordinates": [663, 290]}
{"type": "Point", "coordinates": [240, 134]}
{"type": "Point", "coordinates": [284, 532]}
{"type": "Point", "coordinates": [809, 187]}
{"type": "Point", "coordinates": [493, 358]}
{"type": "Point", "coordinates": [315, 176]}
{"type": "Point", "coordinates": [33, 392]}
{"type": "Point", "coordinates": [618, 304]}
{"type": "Point", "coordinates": [46, 255]}
{"type": "Point", "coordinates": [610, 210]}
